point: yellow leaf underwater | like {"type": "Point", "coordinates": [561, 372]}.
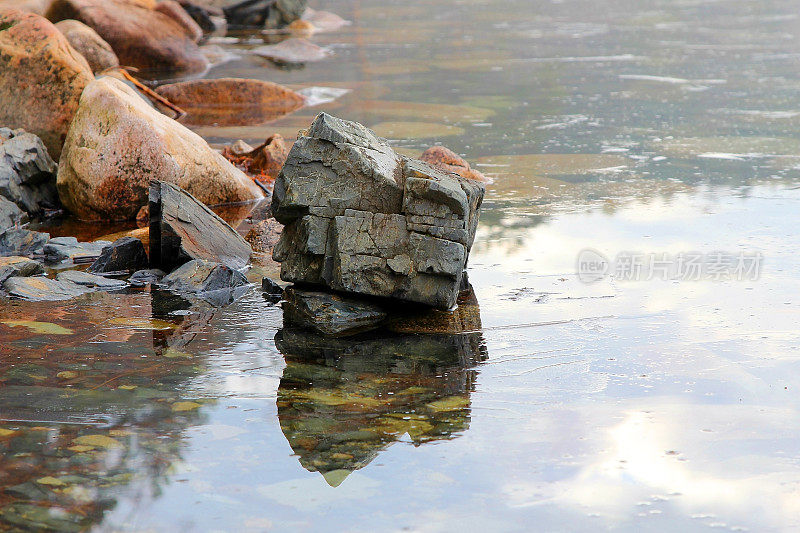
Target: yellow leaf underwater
{"type": "Point", "coordinates": [42, 328]}
{"type": "Point", "coordinates": [184, 406]}
{"type": "Point", "coordinates": [98, 441]}
{"type": "Point", "coordinates": [153, 324]}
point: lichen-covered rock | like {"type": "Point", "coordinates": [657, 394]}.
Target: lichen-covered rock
{"type": "Point", "coordinates": [41, 78]}
{"type": "Point", "coordinates": [118, 144]}
{"type": "Point", "coordinates": [182, 229]}
{"type": "Point", "coordinates": [361, 219]}
{"type": "Point", "coordinates": [141, 37]}
{"type": "Point", "coordinates": [126, 253]}
{"type": "Point", "coordinates": [27, 173]}
{"type": "Point", "coordinates": [330, 314]}
{"type": "Point", "coordinates": [89, 44]}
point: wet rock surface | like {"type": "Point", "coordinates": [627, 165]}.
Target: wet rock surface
{"type": "Point", "coordinates": [182, 229]}
{"type": "Point", "coordinates": [293, 50]}
{"type": "Point", "coordinates": [362, 219]}
{"type": "Point", "coordinates": [118, 144]}
{"type": "Point", "coordinates": [140, 36]}
{"type": "Point", "coordinates": [216, 283]}
{"type": "Point", "coordinates": [142, 278]}
{"type": "Point", "coordinates": [126, 253]}
{"type": "Point", "coordinates": [97, 52]}
{"type": "Point", "coordinates": [16, 266]}
{"type": "Point", "coordinates": [20, 241]}
{"type": "Point", "coordinates": [41, 289]}
{"type": "Point", "coordinates": [330, 314]}
{"type": "Point", "coordinates": [41, 78]}
{"type": "Point", "coordinates": [69, 248]}
{"type": "Point", "coordinates": [273, 292]}
{"type": "Point", "coordinates": [92, 281]}
{"type": "Point", "coordinates": [27, 172]}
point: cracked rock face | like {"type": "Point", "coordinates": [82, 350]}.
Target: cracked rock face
{"type": "Point", "coordinates": [362, 219]}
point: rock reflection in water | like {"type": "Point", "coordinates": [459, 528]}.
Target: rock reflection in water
{"type": "Point", "coordinates": [342, 401]}
{"type": "Point", "coordinates": [101, 418]}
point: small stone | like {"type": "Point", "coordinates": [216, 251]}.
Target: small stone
{"type": "Point", "coordinates": [273, 292]}
{"type": "Point", "coordinates": [141, 278]}
{"type": "Point", "coordinates": [68, 248]}
{"type": "Point", "coordinates": [126, 253]}
{"type": "Point", "coordinates": [67, 374]}
{"type": "Point", "coordinates": [86, 279]}
{"type": "Point", "coordinates": [214, 282]}
{"type": "Point", "coordinates": [330, 314]}
{"type": "Point", "coordinates": [294, 50]}
{"type": "Point", "coordinates": [18, 266]}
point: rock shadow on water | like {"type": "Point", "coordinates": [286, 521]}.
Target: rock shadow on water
{"type": "Point", "coordinates": [341, 401]}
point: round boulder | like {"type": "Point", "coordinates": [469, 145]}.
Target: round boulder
{"type": "Point", "coordinates": [85, 40]}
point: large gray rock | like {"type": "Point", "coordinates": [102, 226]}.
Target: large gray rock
{"type": "Point", "coordinates": [362, 219]}
{"type": "Point", "coordinates": [330, 314]}
{"type": "Point", "coordinates": [27, 173]}
{"type": "Point", "coordinates": [182, 228]}
{"type": "Point", "coordinates": [41, 289]}
{"type": "Point", "coordinates": [126, 253]}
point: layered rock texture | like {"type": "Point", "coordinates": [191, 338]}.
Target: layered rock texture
{"type": "Point", "coordinates": [27, 173]}
{"type": "Point", "coordinates": [362, 219]}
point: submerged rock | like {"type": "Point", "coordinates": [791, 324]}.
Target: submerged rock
{"type": "Point", "coordinates": [27, 173]}
{"type": "Point", "coordinates": [68, 248]}
{"type": "Point", "coordinates": [41, 78]}
{"type": "Point", "coordinates": [18, 266]}
{"type": "Point", "coordinates": [92, 281]}
{"type": "Point", "coordinates": [10, 214]}
{"type": "Point", "coordinates": [41, 289]}
{"type": "Point", "coordinates": [213, 282]}
{"type": "Point", "coordinates": [231, 101]}
{"type": "Point", "coordinates": [330, 314]}
{"type": "Point", "coordinates": [294, 50]}
{"type": "Point", "coordinates": [20, 241]}
{"type": "Point", "coordinates": [126, 253]}
{"type": "Point", "coordinates": [118, 144]}
{"type": "Point", "coordinates": [446, 159]}
{"type": "Point", "coordinates": [140, 36]}
{"type": "Point", "coordinates": [141, 278]}
{"type": "Point", "coordinates": [182, 229]}
{"type": "Point", "coordinates": [361, 219]}
{"type": "Point", "coordinates": [89, 44]}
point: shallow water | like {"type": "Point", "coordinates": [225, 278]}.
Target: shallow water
{"type": "Point", "coordinates": [548, 403]}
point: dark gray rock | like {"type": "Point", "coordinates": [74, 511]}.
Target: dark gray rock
{"type": "Point", "coordinates": [183, 228]}
{"type": "Point", "coordinates": [126, 253]}
{"type": "Point", "coordinates": [20, 241]}
{"type": "Point", "coordinates": [41, 289]}
{"type": "Point", "coordinates": [214, 282]}
{"type": "Point", "coordinates": [264, 13]}
{"type": "Point", "coordinates": [68, 248]}
{"type": "Point", "coordinates": [91, 281]}
{"type": "Point", "coordinates": [273, 292]}
{"type": "Point", "coordinates": [18, 266]}
{"type": "Point", "coordinates": [362, 219]}
{"type": "Point", "coordinates": [10, 214]}
{"type": "Point", "coordinates": [27, 172]}
{"type": "Point", "coordinates": [141, 278]}
{"type": "Point", "coordinates": [330, 314]}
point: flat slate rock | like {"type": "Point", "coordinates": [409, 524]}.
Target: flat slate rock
{"type": "Point", "coordinates": [92, 281]}
{"type": "Point", "coordinates": [68, 248]}
{"type": "Point", "coordinates": [330, 314]}
{"type": "Point", "coordinates": [18, 266]}
{"type": "Point", "coordinates": [20, 241]}
{"type": "Point", "coordinates": [216, 283]}
{"type": "Point", "coordinates": [41, 289]}
{"type": "Point", "coordinates": [127, 253]}
{"type": "Point", "coordinates": [141, 278]}
{"type": "Point", "coordinates": [183, 228]}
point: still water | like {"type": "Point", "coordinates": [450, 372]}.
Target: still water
{"type": "Point", "coordinates": [654, 398]}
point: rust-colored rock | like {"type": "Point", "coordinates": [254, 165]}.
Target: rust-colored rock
{"type": "Point", "coordinates": [231, 101]}
{"type": "Point", "coordinates": [41, 78]}
{"type": "Point", "coordinates": [118, 144]}
{"type": "Point", "coordinates": [263, 163]}
{"type": "Point", "coordinates": [91, 46]}
{"type": "Point", "coordinates": [176, 12]}
{"type": "Point", "coordinates": [141, 37]}
{"type": "Point", "coordinates": [446, 159]}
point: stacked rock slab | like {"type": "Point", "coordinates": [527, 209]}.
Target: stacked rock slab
{"type": "Point", "coordinates": [362, 219]}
